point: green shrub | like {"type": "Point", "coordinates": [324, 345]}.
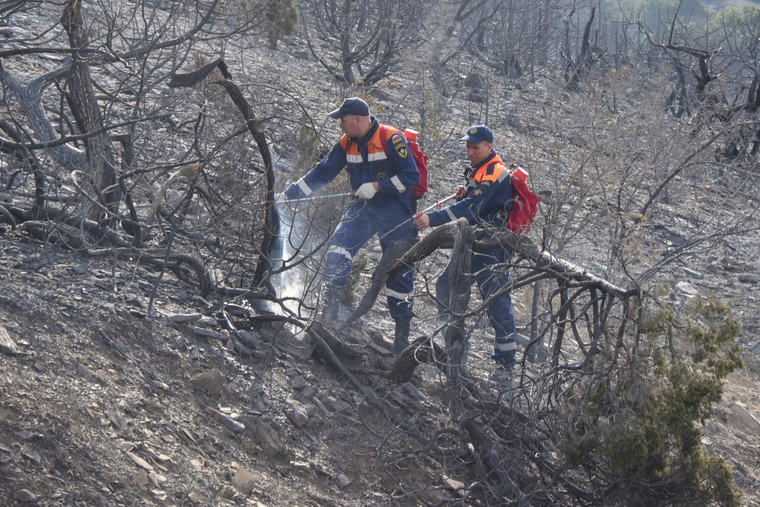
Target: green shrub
{"type": "Point", "coordinates": [639, 424]}
{"type": "Point", "coordinates": [282, 19]}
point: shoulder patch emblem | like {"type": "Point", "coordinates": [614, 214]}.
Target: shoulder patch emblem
{"type": "Point", "coordinates": [485, 184]}
{"type": "Point", "coordinates": [397, 139]}
{"type": "Point", "coordinates": [476, 192]}
{"type": "Point", "coordinates": [401, 150]}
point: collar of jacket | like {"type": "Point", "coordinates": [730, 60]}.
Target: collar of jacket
{"type": "Point", "coordinates": [364, 140]}
{"type": "Point", "coordinates": [472, 168]}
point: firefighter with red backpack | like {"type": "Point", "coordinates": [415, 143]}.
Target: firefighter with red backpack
{"type": "Point", "coordinates": [487, 200]}
{"type": "Point", "coordinates": [382, 172]}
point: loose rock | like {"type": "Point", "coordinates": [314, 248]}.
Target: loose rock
{"type": "Point", "coordinates": [25, 496]}
{"type": "Point", "coordinates": [745, 418]}
{"type": "Point", "coordinates": [267, 435]}
{"type": "Point", "coordinates": [185, 317]}
{"type": "Point", "coordinates": [212, 381]}
{"type": "Point", "coordinates": [687, 289]}
{"type": "Point", "coordinates": [297, 415]}
{"type": "Point", "coordinates": [244, 481]}
{"type": "Point", "coordinates": [297, 382]}
{"type": "Point", "coordinates": [139, 461]}
{"type": "Point", "coordinates": [7, 345]}
{"type": "Point", "coordinates": [342, 480]}
{"type": "Point", "coordinates": [208, 332]}
{"type": "Point", "coordinates": [452, 483]}
{"type": "Point", "coordinates": [693, 274]}
{"type": "Point", "coordinates": [231, 423]}
{"type": "Point", "coordinates": [141, 479]}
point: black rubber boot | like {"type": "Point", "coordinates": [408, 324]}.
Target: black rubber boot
{"type": "Point", "coordinates": [401, 336]}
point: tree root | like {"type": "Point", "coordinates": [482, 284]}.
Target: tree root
{"type": "Point", "coordinates": [422, 350]}
{"type": "Point", "coordinates": [339, 347]}
{"type": "Point", "coordinates": [7, 215]}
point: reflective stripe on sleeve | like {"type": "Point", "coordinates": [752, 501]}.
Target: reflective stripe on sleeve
{"type": "Point", "coordinates": [451, 215]}
{"type": "Point", "coordinates": [304, 187]}
{"type": "Point", "coordinates": [340, 251]}
{"type": "Point", "coordinates": [397, 183]}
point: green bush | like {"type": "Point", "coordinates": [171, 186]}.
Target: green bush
{"type": "Point", "coordinates": [639, 424]}
{"type": "Point", "coordinates": [282, 19]}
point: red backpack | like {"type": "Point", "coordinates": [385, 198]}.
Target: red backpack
{"type": "Point", "coordinates": [420, 158]}
{"type": "Point", "coordinates": [524, 203]}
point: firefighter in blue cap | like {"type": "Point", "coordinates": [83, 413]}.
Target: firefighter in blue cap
{"type": "Point", "coordinates": [485, 200]}
{"type": "Point", "coordinates": [381, 177]}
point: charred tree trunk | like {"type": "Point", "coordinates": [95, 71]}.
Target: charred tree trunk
{"type": "Point", "coordinates": [84, 107]}
{"type": "Point", "coordinates": [460, 281]}
{"type": "Point", "coordinates": [29, 158]}
{"type": "Point", "coordinates": [272, 220]}
{"type": "Point", "coordinates": [272, 226]}
{"type": "Point", "coordinates": [576, 68]}
{"type": "Point", "coordinates": [535, 341]}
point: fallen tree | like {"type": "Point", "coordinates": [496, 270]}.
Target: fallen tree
{"type": "Point", "coordinates": [613, 361]}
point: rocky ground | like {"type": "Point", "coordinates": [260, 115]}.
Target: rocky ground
{"type": "Point", "coordinates": [118, 390]}
{"type": "Point", "coordinates": [103, 404]}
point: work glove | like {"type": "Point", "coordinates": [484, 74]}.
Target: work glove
{"type": "Point", "coordinates": [366, 191]}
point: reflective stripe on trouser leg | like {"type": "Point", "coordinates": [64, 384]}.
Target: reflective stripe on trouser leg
{"type": "Point", "coordinates": [399, 290]}
{"type": "Point", "coordinates": [490, 281]}
{"type": "Point", "coordinates": [504, 347]}
{"type": "Point", "coordinates": [399, 287]}
{"type": "Point", "coordinates": [499, 312]}
{"type": "Point", "coordinates": [338, 266]}
{"type": "Point", "coordinates": [353, 231]}
{"type": "Point", "coordinates": [501, 317]}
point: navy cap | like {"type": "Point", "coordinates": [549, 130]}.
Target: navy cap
{"type": "Point", "coordinates": [478, 133]}
{"type": "Point", "coordinates": [354, 105]}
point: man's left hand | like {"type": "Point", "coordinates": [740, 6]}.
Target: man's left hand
{"type": "Point", "coordinates": [366, 191]}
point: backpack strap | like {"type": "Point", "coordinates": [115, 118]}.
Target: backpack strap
{"type": "Point", "coordinates": [384, 138]}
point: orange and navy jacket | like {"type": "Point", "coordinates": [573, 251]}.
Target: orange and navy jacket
{"type": "Point", "coordinates": [488, 199]}
{"type": "Point", "coordinates": [366, 160]}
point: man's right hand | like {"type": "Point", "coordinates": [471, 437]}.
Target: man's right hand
{"type": "Point", "coordinates": [460, 192]}
{"type": "Point", "coordinates": [421, 221]}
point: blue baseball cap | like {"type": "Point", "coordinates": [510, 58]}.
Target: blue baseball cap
{"type": "Point", "coordinates": [354, 105]}
{"type": "Point", "coordinates": [477, 134]}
